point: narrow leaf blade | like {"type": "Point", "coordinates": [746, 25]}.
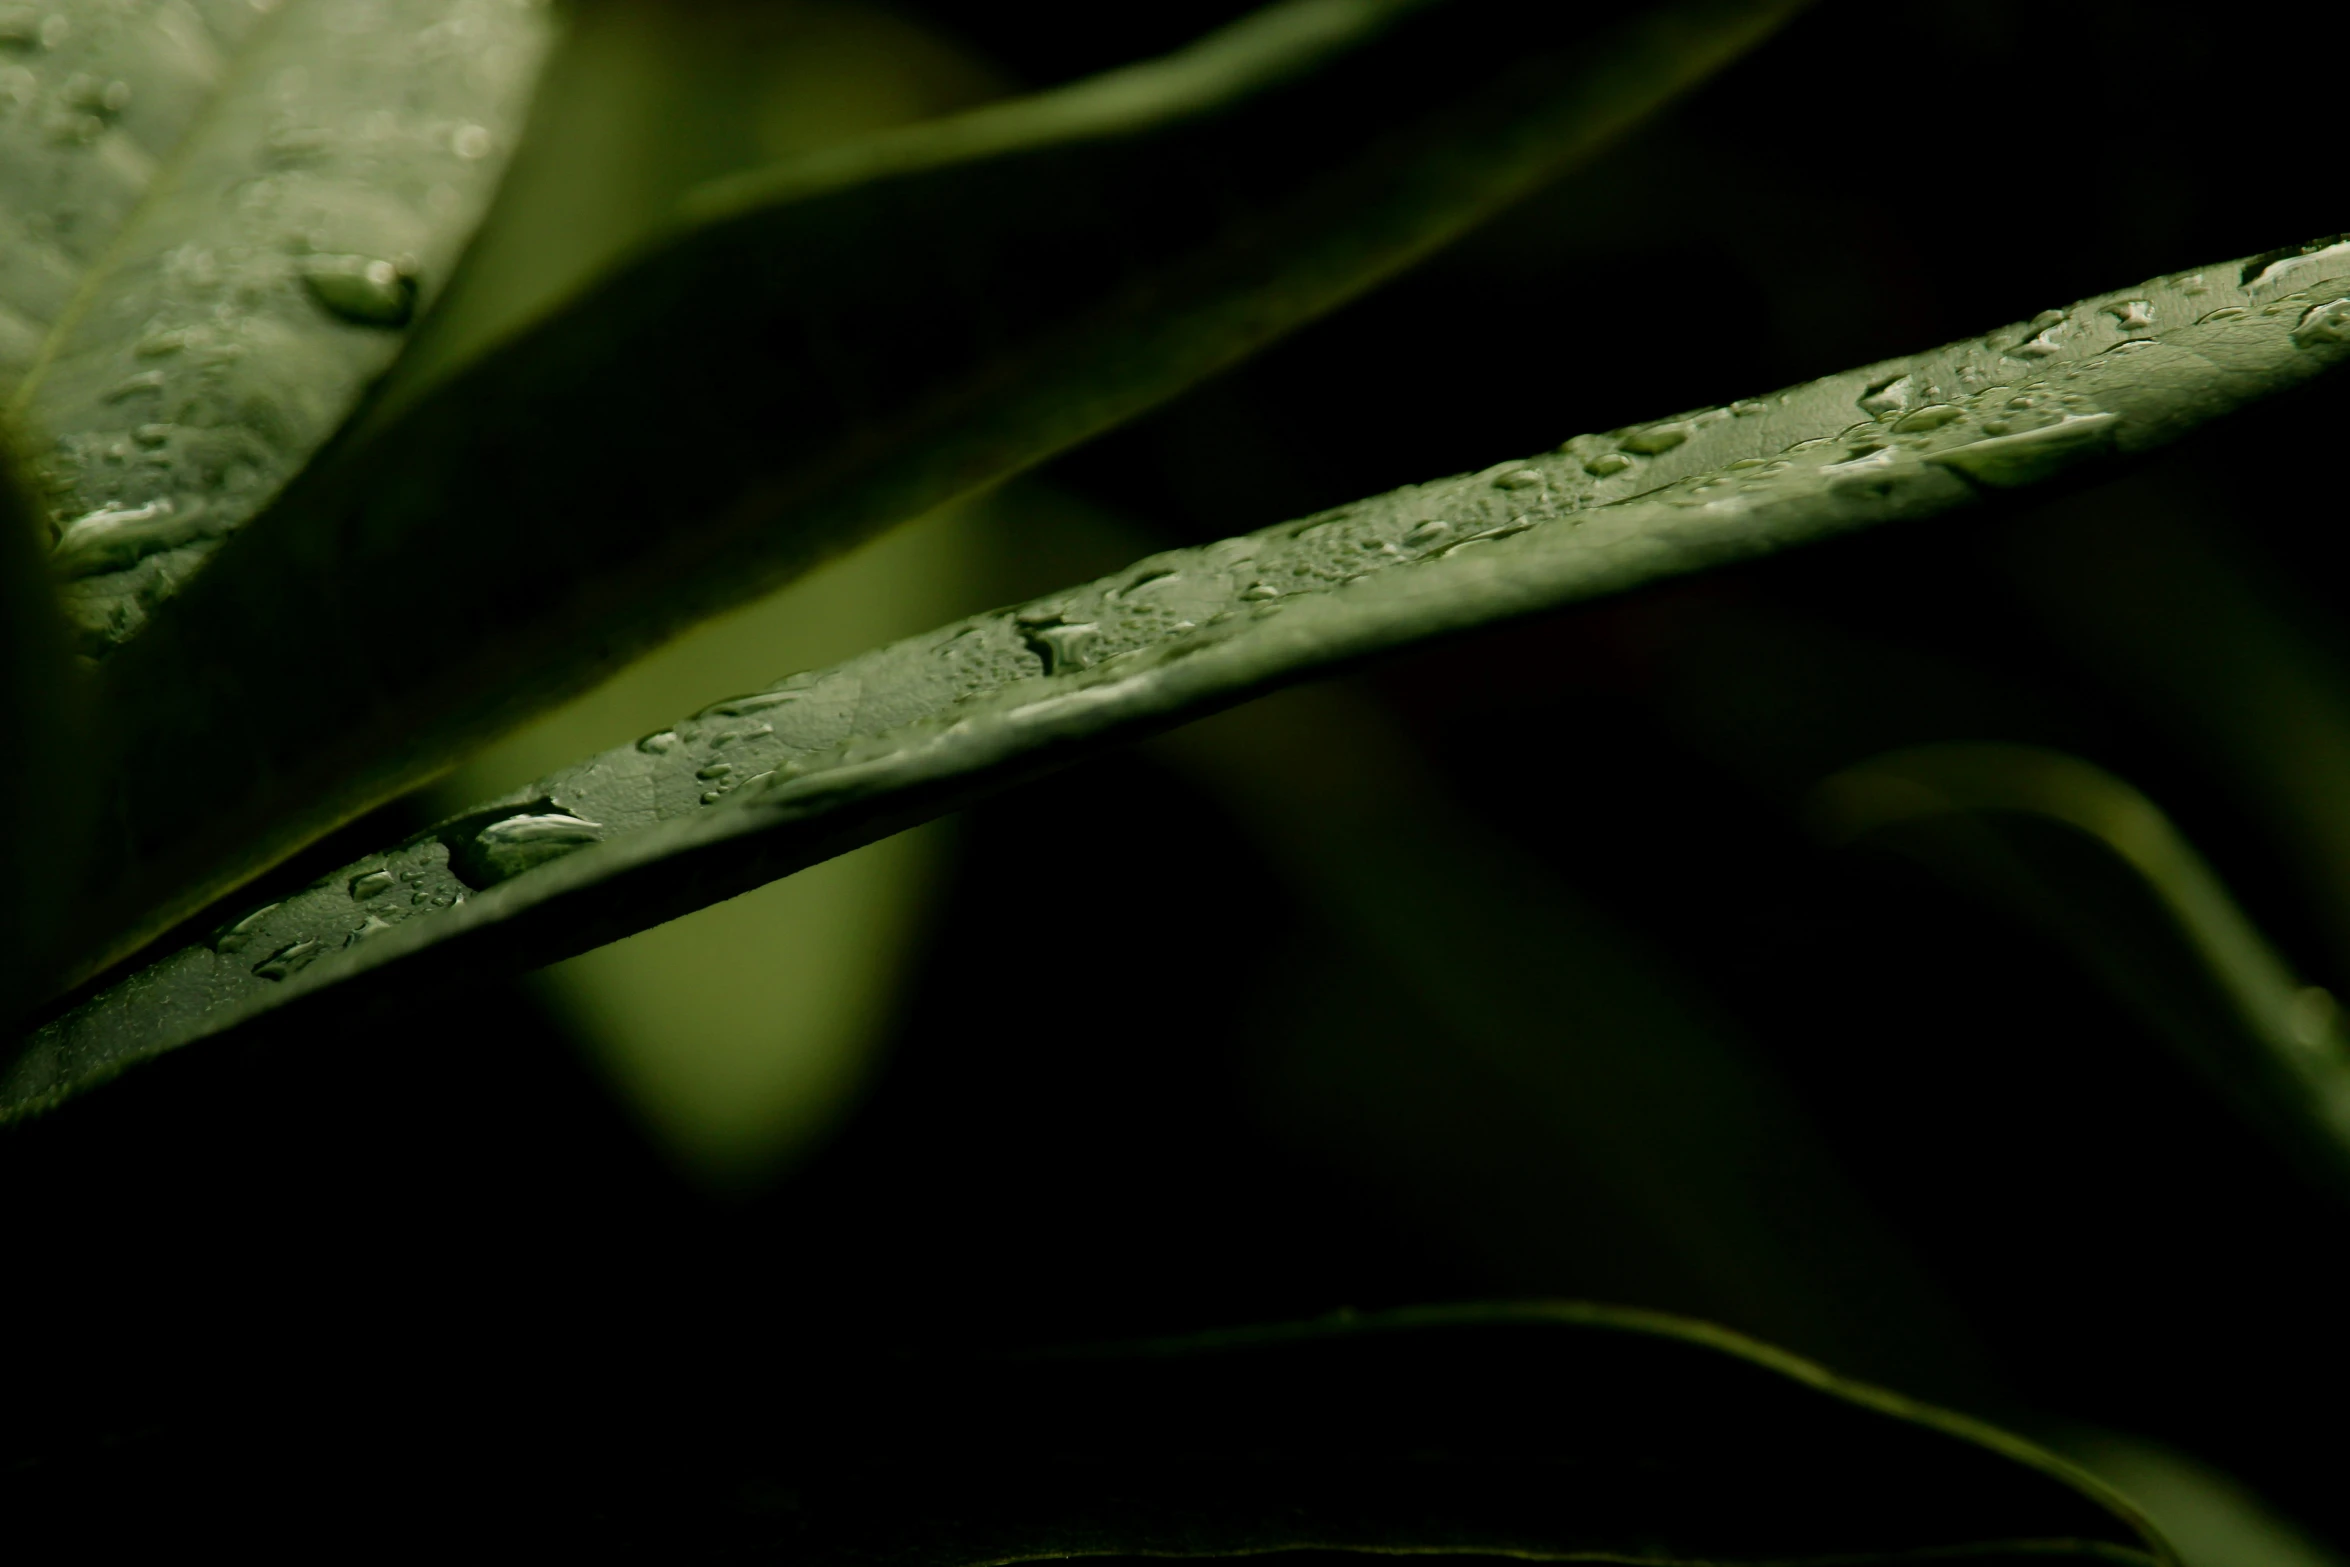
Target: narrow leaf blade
{"type": "Point", "coordinates": [871, 336]}
{"type": "Point", "coordinates": [1556, 1432]}
{"type": "Point", "coordinates": [834, 758]}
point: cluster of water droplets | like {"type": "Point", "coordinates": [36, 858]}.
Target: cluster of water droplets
{"type": "Point", "coordinates": [245, 304]}
{"type": "Point", "coordinates": [2010, 408]}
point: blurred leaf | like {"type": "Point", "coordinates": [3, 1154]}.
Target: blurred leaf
{"type": "Point", "coordinates": [647, 99]}
{"type": "Point", "coordinates": [843, 756]}
{"type": "Point", "coordinates": [845, 341]}
{"type": "Point", "coordinates": [215, 224]}
{"type": "Point", "coordinates": [2209, 1518]}
{"type": "Point", "coordinates": [42, 816]}
{"type": "Point", "coordinates": [1533, 1432]}
{"type": "Point", "coordinates": [2198, 970]}
{"type": "Point", "coordinates": [742, 1030]}
{"type": "Point", "coordinates": [1635, 1089]}
{"type": "Point", "coordinates": [1382, 1434]}
{"type": "Point", "coordinates": [2157, 590]}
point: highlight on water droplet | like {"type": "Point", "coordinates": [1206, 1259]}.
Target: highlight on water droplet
{"type": "Point", "coordinates": [236, 937]}
{"type": "Point", "coordinates": [289, 959]}
{"type": "Point", "coordinates": [1931, 417]}
{"type": "Point", "coordinates": [2030, 456]}
{"type": "Point", "coordinates": [2132, 315]}
{"type": "Point", "coordinates": [486, 853]}
{"type": "Point", "coordinates": [1519, 479]}
{"type": "Point", "coordinates": [1607, 464]}
{"type": "Point", "coordinates": [1655, 439]}
{"type": "Point", "coordinates": [1886, 398]}
{"type": "Point", "coordinates": [368, 884]}
{"type": "Point", "coordinates": [364, 290]}
{"type": "Point", "coordinates": [2326, 323]}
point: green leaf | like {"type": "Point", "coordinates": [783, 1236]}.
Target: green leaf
{"type": "Point", "coordinates": [43, 816]}
{"type": "Point", "coordinates": [1532, 1432]}
{"type": "Point", "coordinates": [834, 758]}
{"type": "Point", "coordinates": [1623, 1436]}
{"type": "Point", "coordinates": [2173, 945]}
{"type": "Point", "coordinates": [820, 351]}
{"type": "Point", "coordinates": [215, 220]}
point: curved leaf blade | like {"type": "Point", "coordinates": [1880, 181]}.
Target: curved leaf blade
{"type": "Point", "coordinates": [838, 757]}
{"type": "Point", "coordinates": [1537, 1432]}
{"type": "Point", "coordinates": [813, 361]}
{"type": "Point", "coordinates": [205, 288]}
{"type": "Point", "coordinates": [2278, 1053]}
{"type": "Point", "coordinates": [1541, 1432]}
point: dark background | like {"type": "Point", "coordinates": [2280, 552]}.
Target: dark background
{"type": "Point", "coordinates": [1147, 1080]}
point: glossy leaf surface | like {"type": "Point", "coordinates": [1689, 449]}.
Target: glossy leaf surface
{"type": "Point", "coordinates": [847, 343]}
{"type": "Point", "coordinates": [833, 758]}
{"type": "Point", "coordinates": [216, 221]}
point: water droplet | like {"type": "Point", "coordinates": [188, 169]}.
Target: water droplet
{"type": "Point", "coordinates": [1061, 644]}
{"type": "Point", "coordinates": [713, 796]}
{"type": "Point", "coordinates": [1519, 479]}
{"type": "Point", "coordinates": [1427, 532]}
{"type": "Point", "coordinates": [289, 959]}
{"type": "Point", "coordinates": [55, 30]}
{"type": "Point", "coordinates": [470, 142]}
{"type": "Point", "coordinates": [514, 844]}
{"type": "Point", "coordinates": [658, 742]}
{"type": "Point", "coordinates": [2040, 347]}
{"type": "Point", "coordinates": [2223, 313]}
{"type": "Point", "coordinates": [152, 434]}
{"type": "Point", "coordinates": [1749, 408]}
{"type": "Point", "coordinates": [1607, 464]}
{"type": "Point", "coordinates": [364, 290]}
{"type": "Point", "coordinates": [1259, 592]}
{"type": "Point", "coordinates": [1886, 398]}
{"type": "Point", "coordinates": [714, 770]}
{"type": "Point", "coordinates": [236, 937]}
{"type": "Point", "coordinates": [745, 706]}
{"type": "Point", "coordinates": [2197, 284]}
{"type": "Point", "coordinates": [2132, 315]}
{"type": "Point", "coordinates": [1149, 579]}
{"type": "Point", "coordinates": [376, 924]}
{"type": "Point", "coordinates": [2327, 323]}
{"type": "Point", "coordinates": [2030, 455]}
{"type": "Point", "coordinates": [368, 884]}
{"type": "Point", "coordinates": [134, 385]}
{"type": "Point", "coordinates": [1655, 439]}
{"type": "Point", "coordinates": [1931, 417]}
{"type": "Point", "coordinates": [2046, 319]}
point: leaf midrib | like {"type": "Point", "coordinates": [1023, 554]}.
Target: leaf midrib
{"type": "Point", "coordinates": [168, 170]}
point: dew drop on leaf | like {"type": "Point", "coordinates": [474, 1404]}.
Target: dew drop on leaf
{"type": "Point", "coordinates": [289, 959]}
{"type": "Point", "coordinates": [1655, 439]}
{"type": "Point", "coordinates": [234, 938]}
{"type": "Point", "coordinates": [1607, 464]}
{"type": "Point", "coordinates": [2327, 323]}
{"type": "Point", "coordinates": [364, 290]}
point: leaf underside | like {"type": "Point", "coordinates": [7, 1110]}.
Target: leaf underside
{"type": "Point", "coordinates": [216, 219]}
{"type": "Point", "coordinates": [758, 786]}
{"type": "Point", "coordinates": [1622, 1436]}
{"type": "Point", "coordinates": [814, 355]}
